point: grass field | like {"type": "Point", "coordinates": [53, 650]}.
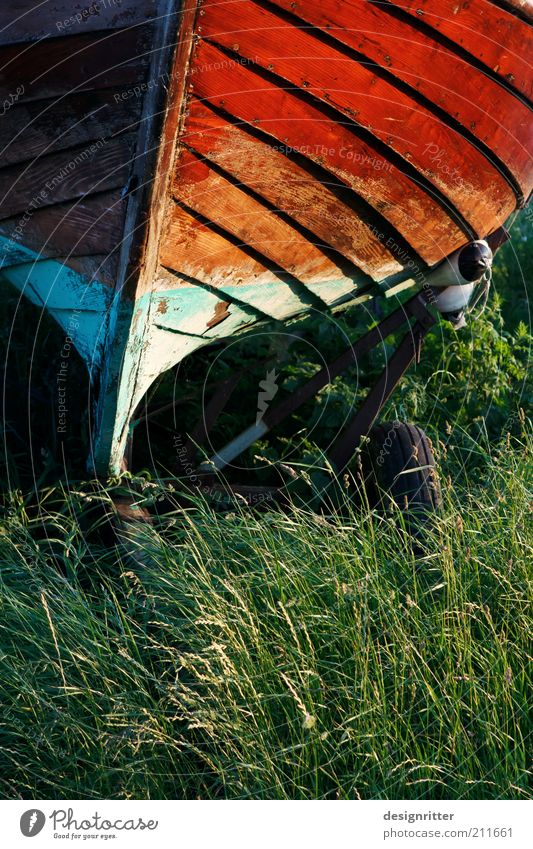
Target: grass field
{"type": "Point", "coordinates": [271, 656]}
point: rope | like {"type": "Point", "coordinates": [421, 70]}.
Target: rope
{"type": "Point", "coordinates": [482, 294]}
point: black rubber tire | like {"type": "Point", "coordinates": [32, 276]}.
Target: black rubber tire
{"type": "Point", "coordinates": [398, 466]}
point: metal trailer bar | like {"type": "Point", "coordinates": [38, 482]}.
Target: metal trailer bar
{"type": "Point", "coordinates": [408, 349]}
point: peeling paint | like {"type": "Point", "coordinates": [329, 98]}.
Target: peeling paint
{"type": "Point", "coordinates": [220, 314]}
{"type": "Point", "coordinates": [62, 291]}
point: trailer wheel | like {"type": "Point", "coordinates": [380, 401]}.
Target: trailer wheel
{"type": "Point", "coordinates": [398, 467]}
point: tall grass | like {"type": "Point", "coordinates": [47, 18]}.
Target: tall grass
{"type": "Point", "coordinates": [281, 655]}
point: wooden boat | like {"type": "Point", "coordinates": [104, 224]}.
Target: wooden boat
{"type": "Point", "coordinates": [174, 173]}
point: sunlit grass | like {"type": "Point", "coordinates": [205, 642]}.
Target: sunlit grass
{"type": "Point", "coordinates": [270, 655]}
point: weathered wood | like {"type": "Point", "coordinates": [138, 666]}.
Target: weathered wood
{"type": "Point", "coordinates": [31, 20]}
{"type": "Point", "coordinates": [194, 250]}
{"type": "Point", "coordinates": [289, 187]}
{"type": "Point", "coordinates": [64, 66]}
{"type": "Point", "coordinates": [90, 225]}
{"type": "Point", "coordinates": [194, 310]}
{"type": "Point", "coordinates": [296, 125]}
{"type": "Point", "coordinates": [51, 283]}
{"type": "Point", "coordinates": [496, 37]}
{"type": "Point", "coordinates": [525, 7]}
{"type": "Point", "coordinates": [300, 177]}
{"type": "Point", "coordinates": [172, 122]}
{"type": "Point", "coordinates": [198, 253]}
{"type": "Point", "coordinates": [492, 114]}
{"type": "Point", "coordinates": [98, 167]}
{"type": "Point", "coordinates": [214, 197]}
{"type": "Point", "coordinates": [43, 127]}
{"type": "Point", "coordinates": [101, 267]}
{"type": "Point", "coordinates": [135, 351]}
{"type": "Point", "coordinates": [394, 117]}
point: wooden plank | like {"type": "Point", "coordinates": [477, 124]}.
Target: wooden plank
{"type": "Point", "coordinates": [282, 115]}
{"type": "Point", "coordinates": [39, 128]}
{"type": "Point", "coordinates": [289, 188]}
{"type": "Point", "coordinates": [30, 20]}
{"type": "Point", "coordinates": [101, 267]}
{"type": "Point", "coordinates": [356, 92]}
{"type": "Point", "coordinates": [167, 139]}
{"type": "Point", "coordinates": [64, 176]}
{"type": "Point", "coordinates": [194, 250]}
{"type": "Point", "coordinates": [492, 114]}
{"type": "Point", "coordinates": [98, 268]}
{"type": "Point", "coordinates": [194, 310]}
{"type": "Point", "coordinates": [197, 252]}
{"type": "Point", "coordinates": [499, 39]}
{"type": "Point", "coordinates": [91, 225]}
{"type": "Point", "coordinates": [64, 66]}
{"type": "Point", "coordinates": [525, 7]}
{"type": "Point", "coordinates": [128, 346]}
{"type": "Point", "coordinates": [214, 197]}
{"type": "Point", "coordinates": [58, 287]}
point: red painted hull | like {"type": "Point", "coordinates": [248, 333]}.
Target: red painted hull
{"type": "Point", "coordinates": [338, 137]}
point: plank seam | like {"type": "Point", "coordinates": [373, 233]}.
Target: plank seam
{"type": "Point", "coordinates": [220, 293]}
{"type": "Point", "coordinates": [364, 135]}
{"type": "Point", "coordinates": [390, 8]}
{"type": "Point", "coordinates": [335, 256]}
{"type": "Point", "coordinates": [415, 95]}
{"type": "Point", "coordinates": [372, 218]}
{"type": "Point", "coordinates": [512, 10]}
{"type": "Point", "coordinates": [253, 253]}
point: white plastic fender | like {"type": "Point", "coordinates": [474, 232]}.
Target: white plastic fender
{"type": "Point", "coordinates": [454, 298]}
{"type": "Point", "coordinates": [448, 272]}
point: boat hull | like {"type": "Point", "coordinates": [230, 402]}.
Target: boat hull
{"type": "Point", "coordinates": [175, 173]}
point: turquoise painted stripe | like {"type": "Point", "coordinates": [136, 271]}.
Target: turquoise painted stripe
{"type": "Point", "coordinates": [79, 304]}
